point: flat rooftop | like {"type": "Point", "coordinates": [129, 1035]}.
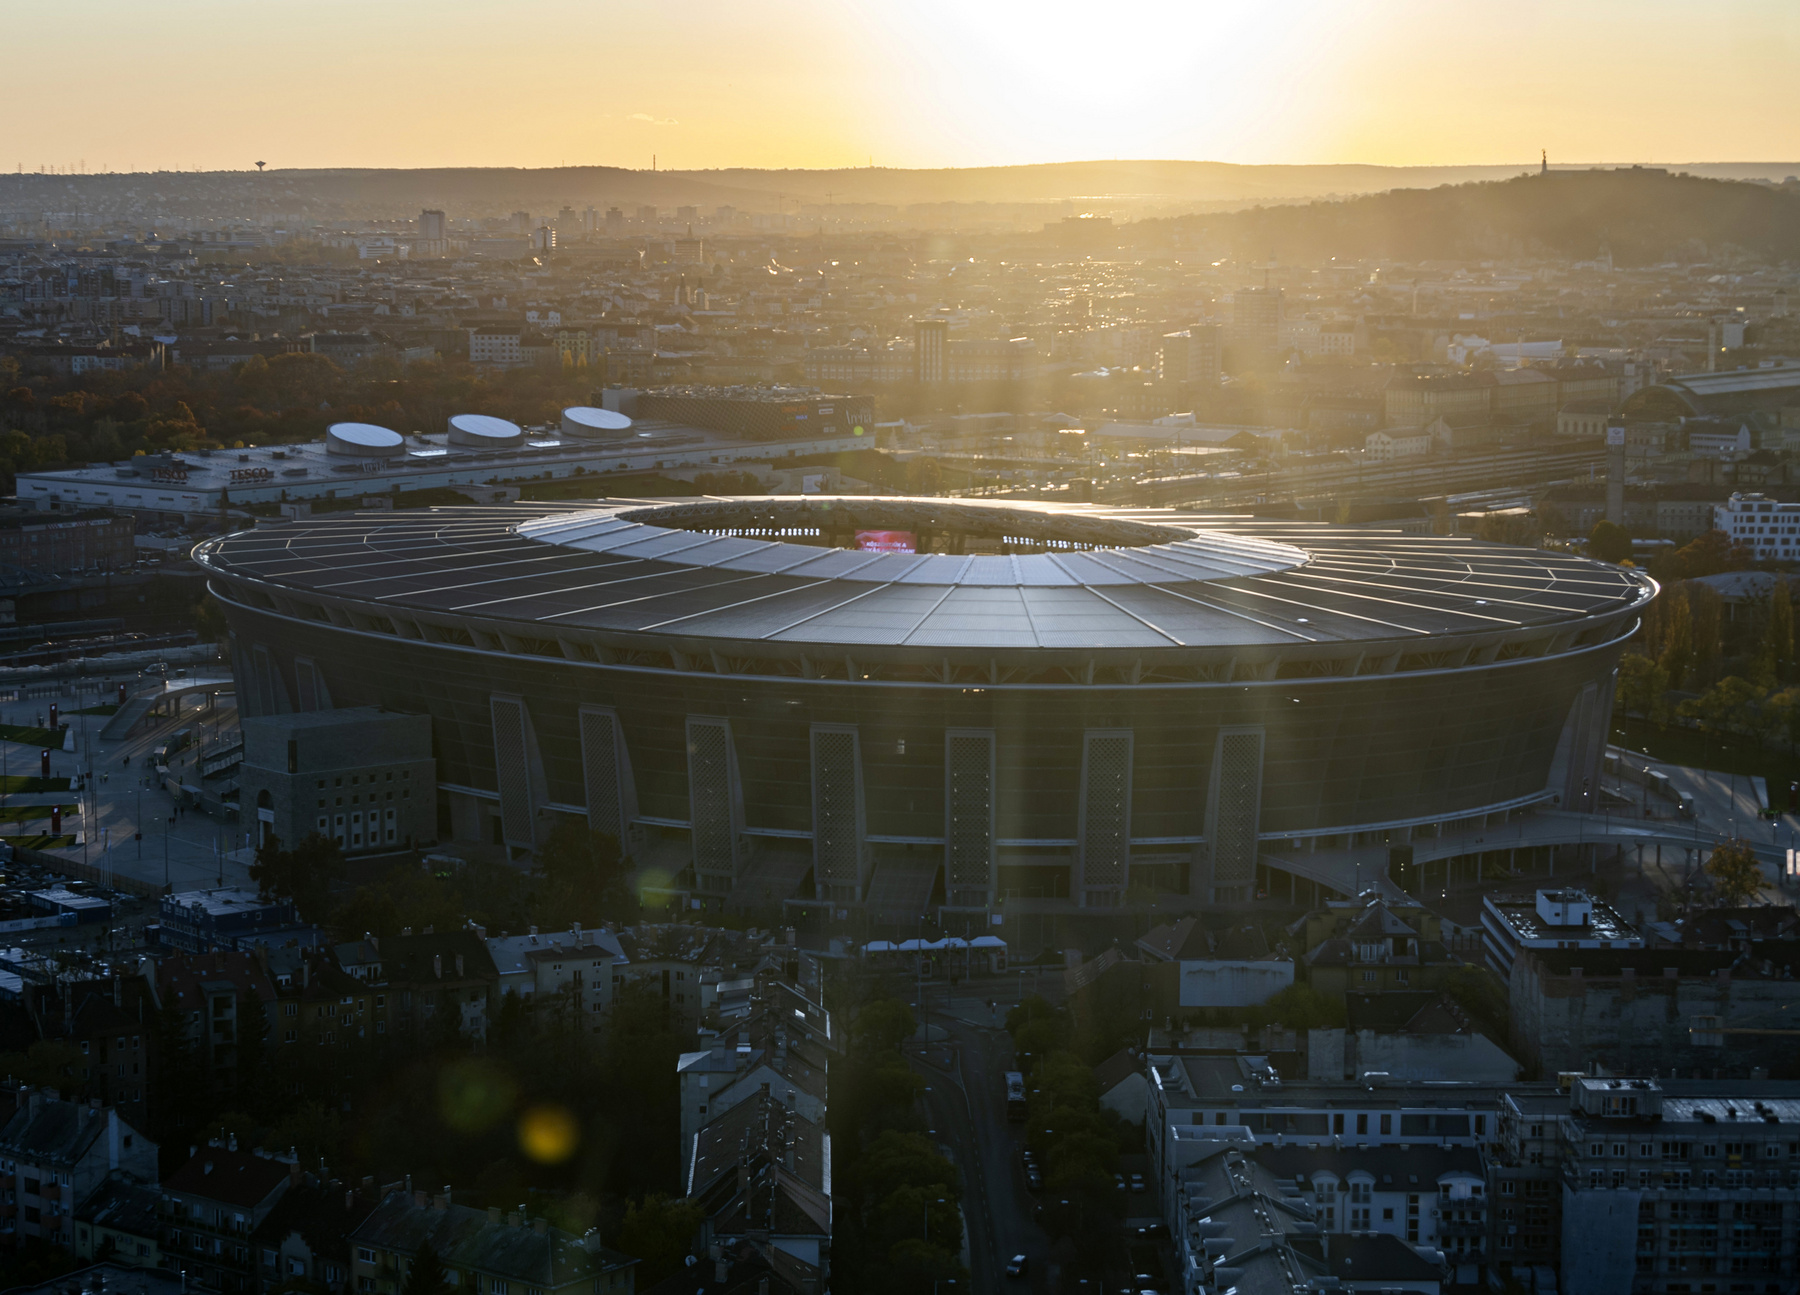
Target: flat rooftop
{"type": "Point", "coordinates": [311, 461]}
{"type": "Point", "coordinates": [1527, 925]}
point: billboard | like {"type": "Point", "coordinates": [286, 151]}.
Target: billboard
{"type": "Point", "coordinates": [887, 541]}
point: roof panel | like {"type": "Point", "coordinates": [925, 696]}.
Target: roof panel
{"type": "Point", "coordinates": [1234, 581]}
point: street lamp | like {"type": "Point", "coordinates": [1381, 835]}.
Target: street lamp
{"type": "Point", "coordinates": [925, 1213]}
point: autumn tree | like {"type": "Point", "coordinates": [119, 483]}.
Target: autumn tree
{"type": "Point", "coordinates": [1677, 635]}
{"type": "Point", "coordinates": [1736, 876]}
{"type": "Point", "coordinates": [1775, 652]}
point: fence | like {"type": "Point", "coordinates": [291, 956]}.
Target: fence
{"type": "Point", "coordinates": [86, 872]}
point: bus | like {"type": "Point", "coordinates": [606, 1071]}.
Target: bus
{"type": "Point", "coordinates": [1015, 1096]}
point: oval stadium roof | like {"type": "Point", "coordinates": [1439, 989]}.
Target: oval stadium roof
{"type": "Point", "coordinates": [1180, 580]}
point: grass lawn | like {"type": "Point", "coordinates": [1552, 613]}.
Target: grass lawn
{"type": "Point", "coordinates": [42, 842]}
{"type": "Point", "coordinates": [16, 782]}
{"type": "Point", "coordinates": [1699, 750]}
{"type": "Point", "coordinates": [49, 737]}
{"type": "Point", "coordinates": [30, 813]}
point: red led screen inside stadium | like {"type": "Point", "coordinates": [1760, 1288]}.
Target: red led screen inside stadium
{"type": "Point", "coordinates": [887, 541]}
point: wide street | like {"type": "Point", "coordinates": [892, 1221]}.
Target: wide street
{"type": "Point", "coordinates": [188, 850]}
{"type": "Point", "coordinates": [1725, 806]}
{"type": "Point", "coordinates": [964, 1064]}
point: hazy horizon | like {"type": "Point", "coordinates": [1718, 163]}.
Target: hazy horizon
{"type": "Point", "coordinates": [202, 85]}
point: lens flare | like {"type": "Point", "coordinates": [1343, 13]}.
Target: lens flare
{"type": "Point", "coordinates": [548, 1134]}
{"type": "Point", "coordinates": [475, 1095]}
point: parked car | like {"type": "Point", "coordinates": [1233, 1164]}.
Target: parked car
{"type": "Point", "coordinates": [1137, 1183]}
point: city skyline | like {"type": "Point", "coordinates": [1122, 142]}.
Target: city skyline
{"type": "Point", "coordinates": [811, 85]}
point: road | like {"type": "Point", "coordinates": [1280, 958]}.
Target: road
{"type": "Point", "coordinates": [189, 849]}
{"type": "Point", "coordinates": [963, 1066]}
{"type": "Point", "coordinates": [1725, 805]}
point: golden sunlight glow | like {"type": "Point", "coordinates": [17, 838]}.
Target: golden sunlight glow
{"type": "Point", "coordinates": [827, 83]}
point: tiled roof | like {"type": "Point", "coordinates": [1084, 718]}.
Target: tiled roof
{"type": "Point", "coordinates": [241, 1179]}
{"type": "Point", "coordinates": [473, 1239]}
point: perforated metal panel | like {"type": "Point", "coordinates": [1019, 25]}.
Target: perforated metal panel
{"type": "Point", "coordinates": [600, 769]}
{"type": "Point", "coordinates": [712, 799]}
{"type": "Point", "coordinates": [969, 811]}
{"type": "Point", "coordinates": [513, 766]}
{"type": "Point", "coordinates": [306, 680]}
{"type": "Point", "coordinates": [265, 681]}
{"type": "Point", "coordinates": [837, 813]}
{"type": "Point", "coordinates": [1105, 809]}
{"type": "Point", "coordinates": [1234, 809]}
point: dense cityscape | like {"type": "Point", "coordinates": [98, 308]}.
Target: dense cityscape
{"type": "Point", "coordinates": [608, 730]}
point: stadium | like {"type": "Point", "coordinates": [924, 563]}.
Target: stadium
{"type": "Point", "coordinates": [900, 706]}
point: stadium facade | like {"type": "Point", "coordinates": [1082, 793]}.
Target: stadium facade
{"type": "Point", "coordinates": [899, 703]}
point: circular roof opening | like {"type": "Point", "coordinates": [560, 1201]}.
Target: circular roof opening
{"type": "Point", "coordinates": [364, 440]}
{"type": "Point", "coordinates": [483, 431]}
{"type": "Point", "coordinates": [585, 420]}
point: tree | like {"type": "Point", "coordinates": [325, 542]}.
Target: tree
{"type": "Point", "coordinates": [48, 1063]}
{"type": "Point", "coordinates": [303, 874]}
{"type": "Point", "coordinates": [584, 876]}
{"type": "Point", "coordinates": [1775, 652]}
{"type": "Point", "coordinates": [1642, 685]}
{"type": "Point", "coordinates": [1736, 876]}
{"type": "Point", "coordinates": [1301, 1007]}
{"type": "Point", "coordinates": [425, 1275]}
{"type": "Point", "coordinates": [1609, 542]}
{"type": "Point", "coordinates": [1677, 635]}
{"type": "Point", "coordinates": [1732, 705]}
{"type": "Point", "coordinates": [1707, 555]}
{"type": "Point", "coordinates": [1705, 609]}
{"type": "Point", "coordinates": [883, 1025]}
{"type": "Point", "coordinates": [659, 1231]}
{"type": "Point", "coordinates": [1781, 718]}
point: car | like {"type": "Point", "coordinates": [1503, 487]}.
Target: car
{"type": "Point", "coordinates": [1033, 1179]}
{"type": "Point", "coordinates": [1016, 1266]}
{"type": "Point", "coordinates": [1119, 1181]}
{"type": "Point", "coordinates": [1137, 1183]}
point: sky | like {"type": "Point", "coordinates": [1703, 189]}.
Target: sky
{"type": "Point", "coordinates": [220, 84]}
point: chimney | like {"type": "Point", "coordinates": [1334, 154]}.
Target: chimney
{"type": "Point", "coordinates": [540, 1226]}
{"type": "Point", "coordinates": [437, 965]}
{"type": "Point", "coordinates": [459, 966]}
{"type": "Point", "coordinates": [493, 1214]}
{"type": "Point", "coordinates": [512, 1219]}
{"type": "Point", "coordinates": [448, 1198]}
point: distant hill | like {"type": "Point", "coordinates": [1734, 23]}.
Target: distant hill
{"type": "Point", "coordinates": [1643, 216]}
{"type": "Point", "coordinates": [1125, 189]}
